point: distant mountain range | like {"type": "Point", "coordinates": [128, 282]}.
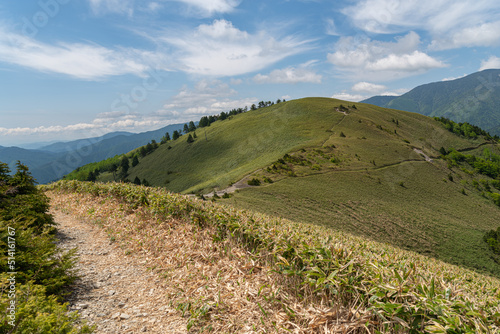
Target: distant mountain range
{"type": "Point", "coordinates": [474, 99]}
{"type": "Point", "coordinates": [51, 162]}
{"type": "Point", "coordinates": [76, 144]}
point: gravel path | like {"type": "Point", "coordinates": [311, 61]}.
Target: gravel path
{"type": "Point", "coordinates": [115, 290]}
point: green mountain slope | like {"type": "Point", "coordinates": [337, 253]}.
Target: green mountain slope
{"type": "Point", "coordinates": [362, 169]}
{"type": "Point", "coordinates": [228, 150]}
{"type": "Point", "coordinates": [380, 100]}
{"type": "Point", "coordinates": [474, 99]}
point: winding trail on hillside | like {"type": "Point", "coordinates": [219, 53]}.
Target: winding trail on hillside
{"type": "Point", "coordinates": [243, 183]}
{"type": "Point", "coordinates": [115, 290]}
{"type": "Point", "coordinates": [473, 148]}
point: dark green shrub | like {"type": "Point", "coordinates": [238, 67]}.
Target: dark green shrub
{"type": "Point", "coordinates": [42, 271]}
{"type": "Point", "coordinates": [267, 180]}
{"type": "Point", "coordinates": [254, 182]}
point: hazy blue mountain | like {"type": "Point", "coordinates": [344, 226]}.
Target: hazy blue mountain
{"type": "Point", "coordinates": [379, 100]}
{"type": "Point", "coordinates": [76, 144]}
{"type": "Point", "coordinates": [11, 155]}
{"type": "Point", "coordinates": [46, 165]}
{"type": "Point", "coordinates": [474, 99]}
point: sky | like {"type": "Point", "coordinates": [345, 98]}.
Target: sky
{"type": "Point", "coordinates": [82, 68]}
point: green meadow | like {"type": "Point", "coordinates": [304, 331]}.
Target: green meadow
{"type": "Point", "coordinates": [357, 168]}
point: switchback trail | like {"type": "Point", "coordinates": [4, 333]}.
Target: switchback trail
{"type": "Point", "coordinates": [115, 290]}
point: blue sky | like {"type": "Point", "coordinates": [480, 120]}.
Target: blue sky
{"type": "Point", "coordinates": [81, 68]}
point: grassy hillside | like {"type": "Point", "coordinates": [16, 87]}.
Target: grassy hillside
{"type": "Point", "coordinates": [361, 169]}
{"type": "Point", "coordinates": [321, 281]}
{"type": "Point", "coordinates": [228, 150]}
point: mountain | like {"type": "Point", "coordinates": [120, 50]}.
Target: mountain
{"type": "Point", "coordinates": [474, 99]}
{"type": "Point", "coordinates": [58, 159]}
{"type": "Point", "coordinates": [379, 100]}
{"type": "Point", "coordinates": [357, 168]}
{"type": "Point", "coordinates": [11, 155]}
{"type": "Point", "coordinates": [76, 144]}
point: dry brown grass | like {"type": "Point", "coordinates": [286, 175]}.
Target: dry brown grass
{"type": "Point", "coordinates": [237, 271]}
{"type": "Point", "coordinates": [219, 286]}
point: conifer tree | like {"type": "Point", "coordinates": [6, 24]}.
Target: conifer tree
{"type": "Point", "coordinates": [175, 135]}
{"type": "Point", "coordinates": [135, 161]}
{"type": "Point", "coordinates": [113, 168]}
{"type": "Point", "coordinates": [124, 165]}
{"type": "Point", "coordinates": [192, 127]}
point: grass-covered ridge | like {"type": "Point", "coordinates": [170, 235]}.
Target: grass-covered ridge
{"type": "Point", "coordinates": [393, 290]}
{"type": "Point", "coordinates": [349, 166]}
{"type": "Point", "coordinates": [229, 149]}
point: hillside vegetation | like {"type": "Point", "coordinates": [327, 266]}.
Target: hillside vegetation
{"type": "Point", "coordinates": [353, 285]}
{"type": "Point", "coordinates": [34, 272]}
{"type": "Point", "coordinates": [366, 170]}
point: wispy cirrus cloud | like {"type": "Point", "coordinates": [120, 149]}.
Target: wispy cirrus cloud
{"type": "Point", "coordinates": [129, 7]}
{"type": "Point", "coordinates": [211, 6]}
{"type": "Point", "coordinates": [78, 60]}
{"type": "Point", "coordinates": [289, 75]}
{"type": "Point", "coordinates": [220, 49]}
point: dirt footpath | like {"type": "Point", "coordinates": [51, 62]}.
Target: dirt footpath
{"type": "Point", "coordinates": [115, 290]}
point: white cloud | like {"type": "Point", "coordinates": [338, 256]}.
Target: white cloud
{"type": "Point", "coordinates": [208, 97]}
{"type": "Point", "coordinates": [83, 130]}
{"type": "Point", "coordinates": [349, 97]}
{"type": "Point", "coordinates": [369, 89]}
{"type": "Point", "coordinates": [83, 61]}
{"type": "Point", "coordinates": [220, 49]}
{"type": "Point", "coordinates": [289, 75]}
{"type": "Point", "coordinates": [490, 63]}
{"type": "Point", "coordinates": [414, 62]}
{"type": "Point", "coordinates": [454, 78]}
{"type": "Point", "coordinates": [452, 23]}
{"type": "Point", "coordinates": [368, 59]}
{"type": "Point", "coordinates": [487, 34]}
{"type": "Point", "coordinates": [366, 87]}
{"type": "Point", "coordinates": [396, 92]}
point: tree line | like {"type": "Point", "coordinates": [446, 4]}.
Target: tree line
{"type": "Point", "coordinates": [466, 130]}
